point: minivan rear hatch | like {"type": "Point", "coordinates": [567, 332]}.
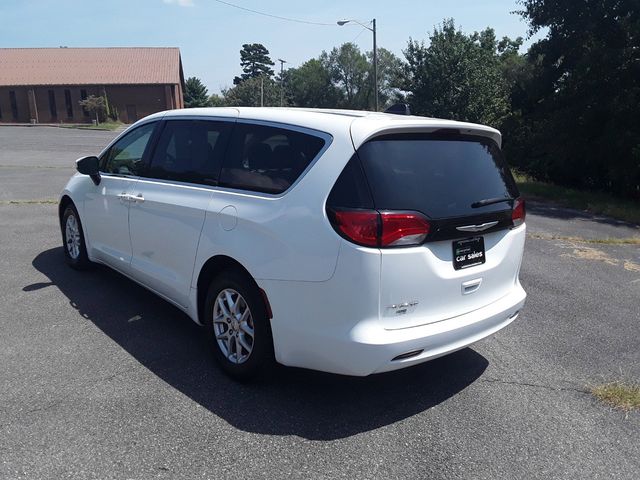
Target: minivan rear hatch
{"type": "Point", "coordinates": [460, 183]}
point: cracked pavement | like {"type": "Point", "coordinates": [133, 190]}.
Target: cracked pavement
{"type": "Point", "coordinates": [101, 379]}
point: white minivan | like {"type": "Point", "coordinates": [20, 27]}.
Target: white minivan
{"type": "Point", "coordinates": [344, 241]}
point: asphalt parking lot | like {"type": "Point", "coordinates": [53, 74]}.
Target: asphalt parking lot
{"type": "Point", "coordinates": [101, 379]}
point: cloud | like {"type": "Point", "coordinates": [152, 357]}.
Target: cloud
{"type": "Point", "coordinates": [180, 3]}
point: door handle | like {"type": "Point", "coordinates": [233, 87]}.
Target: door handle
{"type": "Point", "coordinates": [137, 198]}
{"type": "Point", "coordinates": [124, 197]}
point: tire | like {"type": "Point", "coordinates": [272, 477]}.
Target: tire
{"type": "Point", "coordinates": [75, 250]}
{"type": "Point", "coordinates": [239, 354]}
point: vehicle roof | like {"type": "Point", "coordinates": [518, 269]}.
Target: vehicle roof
{"type": "Point", "coordinates": [362, 124]}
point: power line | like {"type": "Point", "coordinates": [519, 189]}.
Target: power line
{"type": "Point", "coordinates": [362, 30]}
{"type": "Point", "coordinates": [275, 16]}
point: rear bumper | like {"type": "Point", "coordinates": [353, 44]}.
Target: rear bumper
{"type": "Point", "coordinates": [440, 338]}
{"type": "Point", "coordinates": [366, 347]}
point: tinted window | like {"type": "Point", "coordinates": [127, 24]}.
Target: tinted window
{"type": "Point", "coordinates": [83, 96]}
{"type": "Point", "coordinates": [440, 176]}
{"type": "Point", "coordinates": [53, 110]}
{"type": "Point", "coordinates": [67, 103]}
{"type": "Point", "coordinates": [351, 189]}
{"type": "Point", "coordinates": [14, 105]}
{"type": "Point", "coordinates": [125, 157]}
{"type": "Point", "coordinates": [267, 159]}
{"type": "Point", "coordinates": [190, 151]}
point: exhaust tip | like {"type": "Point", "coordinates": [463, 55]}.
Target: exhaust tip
{"type": "Point", "coordinates": [404, 356]}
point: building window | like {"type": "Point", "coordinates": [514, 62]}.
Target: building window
{"type": "Point", "coordinates": [52, 104]}
{"type": "Point", "coordinates": [67, 102]}
{"type": "Point", "coordinates": [14, 104]}
{"type": "Point", "coordinates": [83, 96]}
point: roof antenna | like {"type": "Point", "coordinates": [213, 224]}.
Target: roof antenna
{"type": "Point", "coordinates": [399, 109]}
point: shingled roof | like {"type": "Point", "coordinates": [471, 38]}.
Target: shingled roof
{"type": "Point", "coordinates": [89, 66]}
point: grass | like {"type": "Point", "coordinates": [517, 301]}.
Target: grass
{"type": "Point", "coordinates": [602, 241]}
{"type": "Point", "coordinates": [29, 202]}
{"type": "Point", "coordinates": [594, 202]}
{"type": "Point", "coordinates": [102, 126]}
{"type": "Point", "coordinates": [105, 126]}
{"type": "Point", "coordinates": [620, 395]}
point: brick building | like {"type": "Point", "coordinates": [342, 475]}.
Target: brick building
{"type": "Point", "coordinates": [44, 85]}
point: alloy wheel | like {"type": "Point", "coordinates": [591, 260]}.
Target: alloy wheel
{"type": "Point", "coordinates": [233, 326]}
{"type": "Point", "coordinates": [72, 237]}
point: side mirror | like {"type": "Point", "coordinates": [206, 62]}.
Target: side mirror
{"type": "Point", "coordinates": [89, 166]}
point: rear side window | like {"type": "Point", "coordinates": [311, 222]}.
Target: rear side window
{"type": "Point", "coordinates": [267, 159]}
{"type": "Point", "coordinates": [438, 175]}
{"type": "Point", "coordinates": [190, 151]}
{"type": "Point", "coordinates": [351, 189]}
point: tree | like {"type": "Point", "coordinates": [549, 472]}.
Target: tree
{"type": "Point", "coordinates": [351, 73]}
{"type": "Point", "coordinates": [216, 100]}
{"type": "Point", "coordinates": [195, 93]}
{"type": "Point", "coordinates": [457, 76]}
{"type": "Point", "coordinates": [389, 78]}
{"type": "Point", "coordinates": [248, 93]}
{"type": "Point", "coordinates": [580, 110]}
{"type": "Point", "coordinates": [96, 105]}
{"type": "Point", "coordinates": [310, 86]}
{"type": "Point", "coordinates": [255, 62]}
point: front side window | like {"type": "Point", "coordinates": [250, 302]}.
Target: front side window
{"type": "Point", "coordinates": [267, 159]}
{"type": "Point", "coordinates": [125, 157]}
{"type": "Point", "coordinates": [190, 151]}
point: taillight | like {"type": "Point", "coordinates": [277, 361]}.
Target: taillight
{"type": "Point", "coordinates": [360, 226]}
{"type": "Point", "coordinates": [401, 229]}
{"type": "Point", "coordinates": [371, 228]}
{"type": "Point", "coordinates": [519, 212]}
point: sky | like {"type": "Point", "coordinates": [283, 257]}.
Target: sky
{"type": "Point", "coordinates": [210, 33]}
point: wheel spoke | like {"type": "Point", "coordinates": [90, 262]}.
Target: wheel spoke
{"type": "Point", "coordinates": [230, 304]}
{"type": "Point", "coordinates": [246, 328]}
{"type": "Point", "coordinates": [222, 336]}
{"type": "Point", "coordinates": [238, 349]}
{"type": "Point", "coordinates": [223, 307]}
{"type": "Point", "coordinates": [243, 343]}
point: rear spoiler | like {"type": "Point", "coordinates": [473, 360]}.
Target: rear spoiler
{"type": "Point", "coordinates": [366, 128]}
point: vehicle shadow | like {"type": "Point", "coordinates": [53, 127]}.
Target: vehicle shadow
{"type": "Point", "coordinates": [308, 404]}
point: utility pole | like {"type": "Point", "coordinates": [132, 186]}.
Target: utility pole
{"type": "Point", "coordinates": [261, 91]}
{"type": "Point", "coordinates": [375, 65]}
{"type": "Point", "coordinates": [282, 62]}
{"type": "Point", "coordinates": [375, 54]}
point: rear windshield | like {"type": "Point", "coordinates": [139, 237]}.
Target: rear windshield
{"type": "Point", "coordinates": [438, 175]}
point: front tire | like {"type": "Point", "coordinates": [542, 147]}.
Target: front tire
{"type": "Point", "coordinates": [75, 251]}
{"type": "Point", "coordinates": [238, 326]}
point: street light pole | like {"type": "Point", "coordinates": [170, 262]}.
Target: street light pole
{"type": "Point", "coordinates": [282, 62]}
{"type": "Point", "coordinates": [375, 65]}
{"type": "Point", "coordinates": [375, 55]}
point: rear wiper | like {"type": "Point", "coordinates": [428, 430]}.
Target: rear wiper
{"type": "Point", "coordinates": [491, 201]}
